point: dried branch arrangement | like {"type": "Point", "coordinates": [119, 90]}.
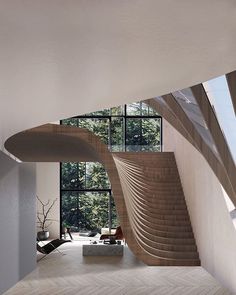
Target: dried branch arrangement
{"type": "Point", "coordinates": [43, 216]}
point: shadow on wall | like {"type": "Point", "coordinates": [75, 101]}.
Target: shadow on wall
{"type": "Point", "coordinates": [7, 164]}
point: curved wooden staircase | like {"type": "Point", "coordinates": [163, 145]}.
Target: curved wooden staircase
{"type": "Point", "coordinates": [146, 187]}
{"type": "Point", "coordinates": [156, 207]}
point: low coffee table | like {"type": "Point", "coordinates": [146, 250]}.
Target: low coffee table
{"type": "Point", "coordinates": [102, 250]}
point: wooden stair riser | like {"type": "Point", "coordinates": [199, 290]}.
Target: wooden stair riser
{"type": "Point", "coordinates": [157, 208]}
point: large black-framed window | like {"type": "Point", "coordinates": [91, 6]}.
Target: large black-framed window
{"type": "Point", "coordinates": [86, 193]}
{"type": "Point", "coordinates": [132, 127]}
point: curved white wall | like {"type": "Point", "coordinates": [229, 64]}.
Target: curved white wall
{"type": "Point", "coordinates": [213, 228]}
{"type": "Point", "coordinates": [64, 58]}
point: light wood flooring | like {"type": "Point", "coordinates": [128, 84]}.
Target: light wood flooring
{"type": "Point", "coordinates": [69, 274]}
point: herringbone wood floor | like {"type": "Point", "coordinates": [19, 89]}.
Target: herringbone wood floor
{"type": "Point", "coordinates": [71, 274]}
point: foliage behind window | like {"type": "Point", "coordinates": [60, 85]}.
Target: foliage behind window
{"type": "Point", "coordinates": [85, 187]}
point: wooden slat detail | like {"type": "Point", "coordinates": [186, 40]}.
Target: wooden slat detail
{"type": "Point", "coordinates": [217, 135]}
{"type": "Point", "coordinates": [154, 219]}
{"type": "Point", "coordinates": [169, 116]}
{"type": "Point", "coordinates": [231, 80]}
{"type": "Point", "coordinates": [147, 179]}
{"type": "Point", "coordinates": [194, 138]}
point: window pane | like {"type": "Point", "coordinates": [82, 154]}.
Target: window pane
{"type": "Point", "coordinates": [70, 209]}
{"type": "Point", "coordinates": [85, 211]}
{"type": "Point", "coordinates": [143, 134]}
{"type": "Point", "coordinates": [150, 139]}
{"type": "Point", "coordinates": [117, 111]}
{"type": "Point", "coordinates": [99, 127]}
{"type": "Point", "coordinates": [96, 176]}
{"type": "Point", "coordinates": [134, 109]}
{"type": "Point", "coordinates": [140, 109]}
{"type": "Point", "coordinates": [117, 134]}
{"type": "Point", "coordinates": [73, 175]}
{"type": "Point", "coordinates": [94, 210]}
{"type": "Point", "coordinates": [71, 122]}
{"type": "Point", "coordinates": [133, 134]}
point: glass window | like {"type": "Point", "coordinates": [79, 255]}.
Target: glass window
{"type": "Point", "coordinates": [133, 134]}
{"type": "Point", "coordinates": [72, 175]}
{"type": "Point", "coordinates": [117, 111]}
{"type": "Point", "coordinates": [87, 202]}
{"type": "Point", "coordinates": [143, 134]}
{"type": "Point", "coordinates": [151, 135]}
{"type": "Point", "coordinates": [140, 109]}
{"type": "Point", "coordinates": [117, 134]}
{"type": "Point", "coordinates": [134, 109]}
{"type": "Point", "coordinates": [93, 210]}
{"type": "Point", "coordinates": [96, 176]}
{"type": "Point", "coordinates": [99, 126]}
{"type": "Point", "coordinates": [86, 211]}
{"type": "Point", "coordinates": [71, 122]}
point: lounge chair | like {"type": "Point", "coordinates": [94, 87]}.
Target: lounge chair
{"type": "Point", "coordinates": [51, 246]}
{"type": "Point", "coordinates": [118, 235]}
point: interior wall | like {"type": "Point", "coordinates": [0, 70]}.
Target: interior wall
{"type": "Point", "coordinates": [17, 221]}
{"type": "Point", "coordinates": [48, 188]}
{"type": "Point", "coordinates": [213, 228]}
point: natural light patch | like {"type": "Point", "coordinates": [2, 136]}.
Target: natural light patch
{"type": "Point", "coordinates": [187, 102]}
{"type": "Point", "coordinates": [230, 207]}
{"type": "Point", "coordinates": [220, 99]}
{"type": "Point", "coordinates": [219, 96]}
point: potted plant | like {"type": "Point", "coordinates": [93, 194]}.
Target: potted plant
{"type": "Point", "coordinates": [43, 218]}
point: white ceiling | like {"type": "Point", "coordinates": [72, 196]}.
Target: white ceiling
{"type": "Point", "coordinates": [62, 58]}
